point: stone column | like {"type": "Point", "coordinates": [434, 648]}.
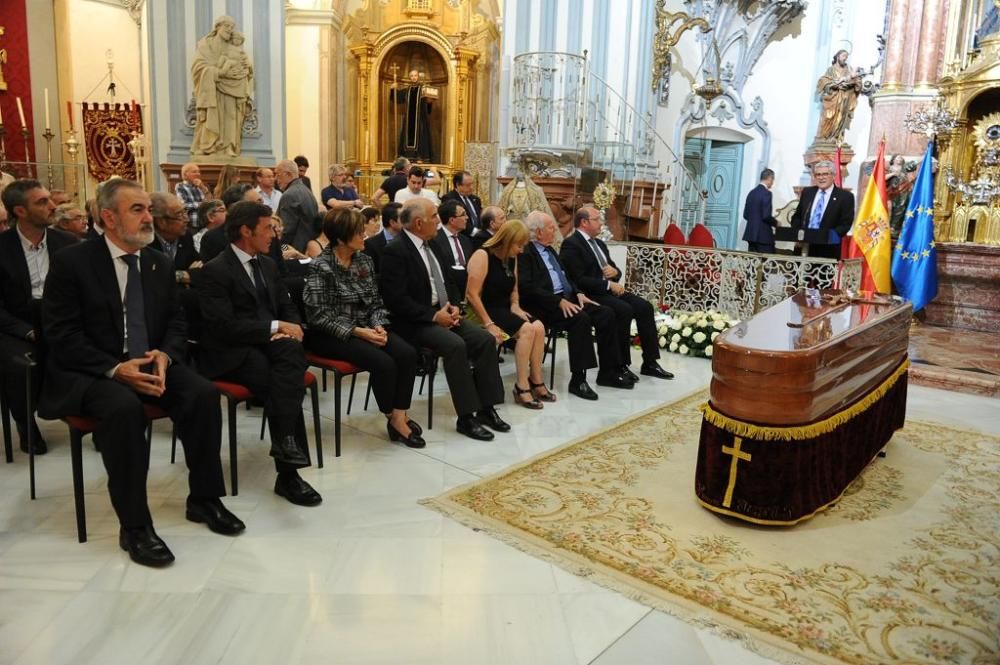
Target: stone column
{"type": "Point", "coordinates": [893, 72]}
{"type": "Point", "coordinates": [931, 37]}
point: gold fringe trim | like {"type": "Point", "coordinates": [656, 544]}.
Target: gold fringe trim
{"type": "Point", "coordinates": [802, 432]}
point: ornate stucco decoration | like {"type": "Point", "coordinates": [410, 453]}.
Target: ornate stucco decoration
{"type": "Point", "coordinates": [668, 33]}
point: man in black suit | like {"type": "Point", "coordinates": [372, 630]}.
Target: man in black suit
{"type": "Point", "coordinates": [420, 296]}
{"type": "Point", "coordinates": [26, 252]}
{"type": "Point", "coordinates": [117, 340]}
{"type": "Point", "coordinates": [464, 185]}
{"type": "Point", "coordinates": [216, 240]}
{"type": "Point", "coordinates": [759, 232]}
{"type": "Point", "coordinates": [170, 222]}
{"type": "Point", "coordinates": [297, 207]}
{"type": "Point", "coordinates": [824, 206]}
{"type": "Point", "coordinates": [390, 229]}
{"type": "Point", "coordinates": [452, 242]}
{"type": "Point", "coordinates": [548, 294]}
{"type": "Point", "coordinates": [252, 337]}
{"type": "Point", "coordinates": [590, 267]}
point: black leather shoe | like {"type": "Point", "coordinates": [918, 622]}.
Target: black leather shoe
{"type": "Point", "coordinates": [615, 381]}
{"type": "Point", "coordinates": [415, 426]}
{"type": "Point", "coordinates": [412, 441]}
{"type": "Point", "coordinates": [287, 450]}
{"type": "Point", "coordinates": [472, 428]}
{"type": "Point", "coordinates": [145, 547]}
{"type": "Point", "coordinates": [629, 375]}
{"type": "Point", "coordinates": [37, 442]}
{"type": "Point", "coordinates": [652, 369]}
{"type": "Point", "coordinates": [582, 390]}
{"type": "Point", "coordinates": [297, 491]}
{"type": "Point", "coordinates": [491, 419]}
{"type": "Point", "coordinates": [212, 513]}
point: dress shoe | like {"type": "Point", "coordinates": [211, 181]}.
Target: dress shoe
{"type": "Point", "coordinates": [582, 390]}
{"type": "Point", "coordinates": [213, 514]}
{"type": "Point", "coordinates": [37, 442]}
{"type": "Point", "coordinates": [472, 428]}
{"type": "Point", "coordinates": [145, 547]}
{"type": "Point", "coordinates": [629, 375]}
{"type": "Point", "coordinates": [491, 419]}
{"type": "Point", "coordinates": [415, 426]}
{"type": "Point", "coordinates": [412, 441]}
{"type": "Point", "coordinates": [615, 381]}
{"type": "Point", "coordinates": [286, 450]}
{"type": "Point", "coordinates": [291, 486]}
{"type": "Point", "coordinates": [652, 369]}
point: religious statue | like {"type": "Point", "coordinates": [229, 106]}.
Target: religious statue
{"type": "Point", "coordinates": [223, 84]}
{"type": "Point", "coordinates": [522, 196]}
{"type": "Point", "coordinates": [898, 186]}
{"type": "Point", "coordinates": [415, 131]}
{"type": "Point", "coordinates": [838, 90]}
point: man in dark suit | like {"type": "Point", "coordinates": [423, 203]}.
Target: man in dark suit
{"type": "Point", "coordinates": [297, 207]}
{"type": "Point", "coordinates": [453, 243]}
{"type": "Point", "coordinates": [420, 296]}
{"type": "Point", "coordinates": [759, 232]}
{"type": "Point", "coordinates": [390, 229]}
{"type": "Point", "coordinates": [216, 240]}
{"type": "Point", "coordinates": [590, 267]}
{"type": "Point", "coordinates": [117, 340]}
{"type": "Point", "coordinates": [462, 193]}
{"type": "Point", "coordinates": [252, 337]}
{"type": "Point", "coordinates": [548, 294]}
{"type": "Point", "coordinates": [824, 206]}
{"type": "Point", "coordinates": [170, 222]}
{"type": "Point", "coordinates": [26, 252]}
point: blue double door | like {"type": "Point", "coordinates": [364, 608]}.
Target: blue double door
{"type": "Point", "coordinates": [718, 169]}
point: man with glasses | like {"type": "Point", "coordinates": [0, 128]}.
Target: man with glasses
{"type": "Point", "coordinates": [170, 222]}
{"type": "Point", "coordinates": [453, 242]}
{"type": "Point", "coordinates": [69, 218]}
{"type": "Point", "coordinates": [825, 206]}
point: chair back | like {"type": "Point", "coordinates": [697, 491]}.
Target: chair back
{"type": "Point", "coordinates": [673, 235]}
{"type": "Point", "coordinates": [700, 236]}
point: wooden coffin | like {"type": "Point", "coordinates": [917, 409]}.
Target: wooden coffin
{"type": "Point", "coordinates": [805, 359]}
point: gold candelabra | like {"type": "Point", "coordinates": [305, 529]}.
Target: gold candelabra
{"type": "Point", "coordinates": [48, 135]}
{"type": "Point", "coordinates": [27, 151]}
{"type": "Point", "coordinates": [138, 147]}
{"type": "Point", "coordinates": [72, 146]}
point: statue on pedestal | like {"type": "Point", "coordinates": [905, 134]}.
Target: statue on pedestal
{"type": "Point", "coordinates": [223, 83]}
{"type": "Point", "coordinates": [415, 133]}
{"type": "Point", "coordinates": [838, 89]}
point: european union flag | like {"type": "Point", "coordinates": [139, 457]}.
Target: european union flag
{"type": "Point", "coordinates": [914, 259]}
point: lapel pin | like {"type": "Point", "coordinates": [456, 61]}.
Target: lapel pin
{"type": "Point", "coordinates": [154, 268]}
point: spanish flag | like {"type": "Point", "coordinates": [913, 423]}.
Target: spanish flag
{"type": "Point", "coordinates": [869, 237]}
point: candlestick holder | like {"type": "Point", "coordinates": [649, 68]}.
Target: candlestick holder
{"type": "Point", "coordinates": [27, 151]}
{"type": "Point", "coordinates": [48, 135]}
{"type": "Point", "coordinates": [3, 147]}
{"type": "Point", "coordinates": [138, 147]}
{"type": "Point", "coordinates": [72, 146]}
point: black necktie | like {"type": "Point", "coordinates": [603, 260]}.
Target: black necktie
{"type": "Point", "coordinates": [263, 297]}
{"type": "Point", "coordinates": [137, 338]}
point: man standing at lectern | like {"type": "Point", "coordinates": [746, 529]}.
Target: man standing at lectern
{"type": "Point", "coordinates": [826, 207]}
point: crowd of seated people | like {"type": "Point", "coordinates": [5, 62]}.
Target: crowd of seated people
{"type": "Point", "coordinates": [378, 286]}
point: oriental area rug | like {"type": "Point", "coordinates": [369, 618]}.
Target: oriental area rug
{"type": "Point", "coordinates": [905, 567]}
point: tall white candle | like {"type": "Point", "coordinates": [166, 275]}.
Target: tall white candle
{"type": "Point", "coordinates": [20, 113]}
{"type": "Point", "coordinates": [48, 120]}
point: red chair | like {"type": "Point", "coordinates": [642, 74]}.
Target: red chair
{"type": "Point", "coordinates": [673, 235]}
{"type": "Point", "coordinates": [79, 426]}
{"type": "Point", "coordinates": [340, 369]}
{"type": "Point", "coordinates": [700, 236]}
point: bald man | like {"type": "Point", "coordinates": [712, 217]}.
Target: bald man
{"type": "Point", "coordinates": [297, 207]}
{"type": "Point", "coordinates": [191, 191]}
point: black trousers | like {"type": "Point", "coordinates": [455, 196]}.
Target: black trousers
{"type": "Point", "coordinates": [627, 307]}
{"type": "Point", "coordinates": [593, 321]}
{"type": "Point", "coordinates": [458, 346]}
{"type": "Point", "coordinates": [193, 405]}
{"type": "Point", "coordinates": [391, 368]}
{"type": "Point", "coordinates": [14, 377]}
{"type": "Point", "coordinates": [274, 373]}
{"type": "Point", "coordinates": [761, 247]}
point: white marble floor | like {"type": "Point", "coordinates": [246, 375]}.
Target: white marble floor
{"type": "Point", "coordinates": [368, 577]}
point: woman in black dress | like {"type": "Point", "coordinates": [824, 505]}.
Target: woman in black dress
{"type": "Point", "coordinates": [491, 291]}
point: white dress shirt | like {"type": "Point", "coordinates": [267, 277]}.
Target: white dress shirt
{"type": "Point", "coordinates": [37, 258]}
{"type": "Point", "coordinates": [419, 244]}
{"type": "Point", "coordinates": [245, 262]}
{"type": "Point", "coordinates": [270, 200]}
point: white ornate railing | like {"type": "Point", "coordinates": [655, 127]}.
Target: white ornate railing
{"type": "Point", "coordinates": [738, 284]}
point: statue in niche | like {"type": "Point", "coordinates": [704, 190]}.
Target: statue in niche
{"type": "Point", "coordinates": [223, 84]}
{"type": "Point", "coordinates": [415, 98]}
{"type": "Point", "coordinates": [899, 185]}
{"type": "Point", "coordinates": [838, 90]}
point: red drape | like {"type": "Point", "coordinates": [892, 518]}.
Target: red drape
{"type": "Point", "coordinates": [17, 73]}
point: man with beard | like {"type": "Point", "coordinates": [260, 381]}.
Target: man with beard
{"type": "Point", "coordinates": [117, 340]}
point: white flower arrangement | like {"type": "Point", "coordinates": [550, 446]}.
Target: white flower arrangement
{"type": "Point", "coordinates": [689, 333]}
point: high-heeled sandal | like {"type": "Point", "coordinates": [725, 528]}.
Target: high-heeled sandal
{"type": "Point", "coordinates": [526, 403]}
{"type": "Point", "coordinates": [547, 396]}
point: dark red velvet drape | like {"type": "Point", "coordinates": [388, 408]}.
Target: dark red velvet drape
{"type": "Point", "coordinates": [17, 73]}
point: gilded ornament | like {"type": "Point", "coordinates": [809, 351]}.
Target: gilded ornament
{"type": "Point", "coordinates": [604, 196]}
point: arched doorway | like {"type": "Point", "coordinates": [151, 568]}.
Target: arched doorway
{"type": "Point", "coordinates": [715, 156]}
{"type": "Point", "coordinates": [402, 109]}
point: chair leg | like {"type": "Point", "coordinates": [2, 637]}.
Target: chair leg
{"type": "Point", "coordinates": [420, 390]}
{"type": "Point", "coordinates": [8, 448]}
{"type": "Point", "coordinates": [173, 442]}
{"type": "Point", "coordinates": [76, 453]}
{"type": "Point", "coordinates": [336, 413]}
{"type": "Point", "coordinates": [368, 393]}
{"type": "Point", "coordinates": [350, 394]}
{"type": "Point", "coordinates": [323, 370]}
{"type": "Point", "coordinates": [552, 362]}
{"type": "Point", "coordinates": [149, 433]}
{"type": "Point", "coordinates": [233, 473]}
{"type": "Point", "coordinates": [30, 434]}
{"type": "Point", "coordinates": [318, 425]}
{"type": "Point", "coordinates": [430, 396]}
{"type": "Point", "coordinates": [263, 423]}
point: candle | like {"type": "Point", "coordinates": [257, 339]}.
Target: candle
{"type": "Point", "coordinates": [69, 112]}
{"type": "Point", "coordinates": [20, 113]}
{"type": "Point", "coordinates": [48, 120]}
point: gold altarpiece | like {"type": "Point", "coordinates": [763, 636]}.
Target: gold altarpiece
{"type": "Point", "coordinates": [456, 48]}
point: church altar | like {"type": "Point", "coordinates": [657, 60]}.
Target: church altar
{"type": "Point", "coordinates": [803, 397]}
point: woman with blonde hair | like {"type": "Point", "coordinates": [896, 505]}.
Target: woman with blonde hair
{"type": "Point", "coordinates": [491, 291]}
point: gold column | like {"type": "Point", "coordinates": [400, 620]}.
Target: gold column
{"type": "Point", "coordinates": [464, 62]}
{"type": "Point", "coordinates": [893, 77]}
{"type": "Point", "coordinates": [364, 54]}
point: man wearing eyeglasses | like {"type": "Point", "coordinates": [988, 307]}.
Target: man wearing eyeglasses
{"type": "Point", "coordinates": [453, 242]}
{"type": "Point", "coordinates": [170, 222]}
{"type": "Point", "coordinates": [826, 207]}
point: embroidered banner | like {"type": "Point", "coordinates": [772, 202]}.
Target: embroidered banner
{"type": "Point", "coordinates": [107, 130]}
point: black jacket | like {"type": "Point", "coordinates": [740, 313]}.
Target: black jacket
{"type": "Point", "coordinates": [17, 315]}
{"type": "Point", "coordinates": [582, 267]}
{"type": "Point", "coordinates": [406, 287]}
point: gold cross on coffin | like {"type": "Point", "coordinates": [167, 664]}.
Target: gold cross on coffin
{"type": "Point", "coordinates": [738, 455]}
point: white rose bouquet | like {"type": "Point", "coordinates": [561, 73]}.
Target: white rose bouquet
{"type": "Point", "coordinates": [690, 333]}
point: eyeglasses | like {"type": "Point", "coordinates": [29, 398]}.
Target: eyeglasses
{"type": "Point", "coordinates": [178, 216]}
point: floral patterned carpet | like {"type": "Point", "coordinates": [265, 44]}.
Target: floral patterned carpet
{"type": "Point", "coordinates": [905, 568]}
